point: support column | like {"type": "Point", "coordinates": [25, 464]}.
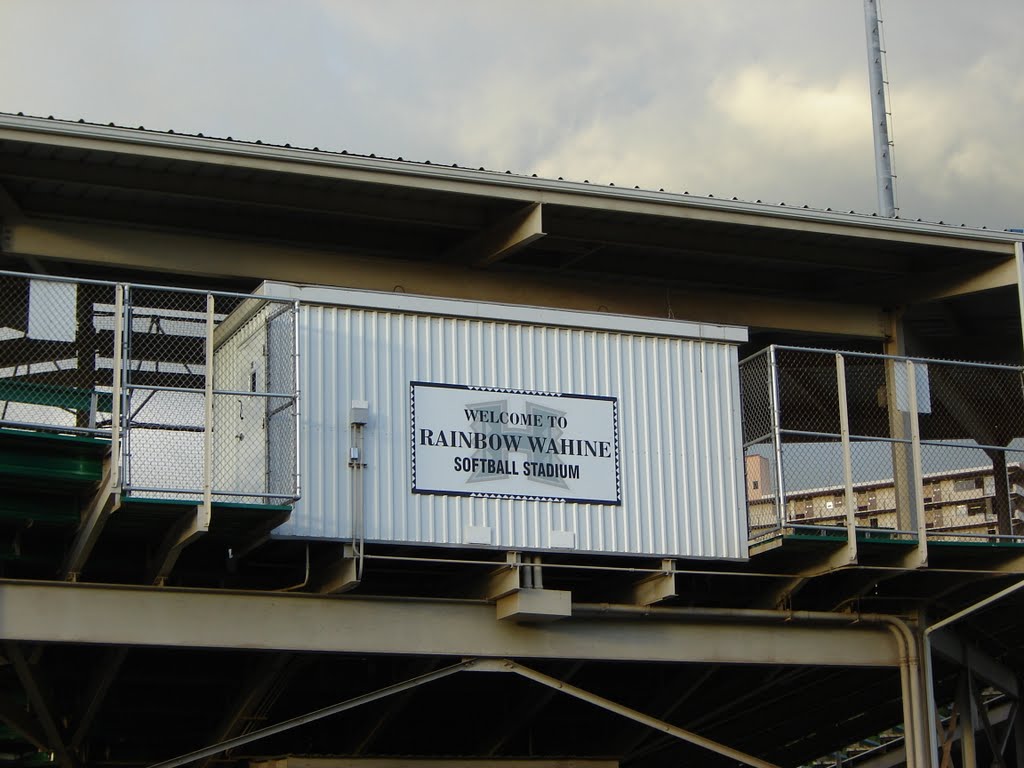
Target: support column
{"type": "Point", "coordinates": [968, 720]}
{"type": "Point", "coordinates": [901, 427]}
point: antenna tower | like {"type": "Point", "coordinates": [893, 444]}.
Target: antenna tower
{"type": "Point", "coordinates": [880, 115]}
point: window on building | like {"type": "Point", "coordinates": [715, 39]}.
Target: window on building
{"type": "Point", "coordinates": [969, 484]}
{"type": "Point", "coordinates": [976, 507]}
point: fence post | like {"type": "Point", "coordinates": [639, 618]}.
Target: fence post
{"type": "Point", "coordinates": [917, 478]}
{"type": "Point", "coordinates": [844, 432]}
{"type": "Point", "coordinates": [207, 512]}
{"type": "Point", "coordinates": [773, 376]}
{"type": "Point", "coordinates": [116, 389]}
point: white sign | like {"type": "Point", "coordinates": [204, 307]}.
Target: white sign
{"type": "Point", "coordinates": [481, 441]}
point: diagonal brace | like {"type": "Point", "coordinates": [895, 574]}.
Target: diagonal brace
{"type": "Point", "coordinates": [41, 703]}
{"type": "Point", "coordinates": [310, 717]}
{"type": "Point", "coordinates": [504, 665]}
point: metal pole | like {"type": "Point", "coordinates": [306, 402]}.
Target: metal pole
{"type": "Point", "coordinates": [1018, 251]}
{"type": "Point", "coordinates": [126, 387]}
{"type": "Point", "coordinates": [879, 116]}
{"type": "Point", "coordinates": [844, 428]}
{"type": "Point", "coordinates": [773, 378]}
{"type": "Point", "coordinates": [917, 480]}
{"type": "Point", "coordinates": [297, 400]}
{"type": "Point", "coordinates": [207, 511]}
{"type": "Point", "coordinates": [115, 390]}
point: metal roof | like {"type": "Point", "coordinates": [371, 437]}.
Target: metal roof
{"type": "Point", "coordinates": [315, 155]}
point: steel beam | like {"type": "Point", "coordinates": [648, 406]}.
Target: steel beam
{"type": "Point", "coordinates": [310, 717]}
{"type": "Point", "coordinates": [202, 256]}
{"type": "Point", "coordinates": [983, 278]}
{"type": "Point", "coordinates": [504, 665]}
{"type": "Point", "coordinates": [946, 643]}
{"type": "Point", "coordinates": [487, 184]}
{"type": "Point", "coordinates": [271, 673]}
{"type": "Point", "coordinates": [500, 240]}
{"type": "Point", "coordinates": [194, 524]}
{"type": "Point", "coordinates": [103, 678]}
{"type": "Point", "coordinates": [104, 503]}
{"type": "Point", "coordinates": [39, 699]}
{"type": "Point", "coordinates": [146, 616]}
{"type": "Point", "coordinates": [14, 713]}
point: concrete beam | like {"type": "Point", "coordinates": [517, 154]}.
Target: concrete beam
{"type": "Point", "coordinates": [500, 240]}
{"type": "Point", "coordinates": [67, 612]}
{"type": "Point", "coordinates": [215, 257]}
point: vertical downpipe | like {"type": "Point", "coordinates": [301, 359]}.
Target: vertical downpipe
{"type": "Point", "coordinates": [773, 375]}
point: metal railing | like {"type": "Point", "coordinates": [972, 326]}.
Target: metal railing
{"type": "Point", "coordinates": [197, 391]}
{"type": "Point", "coordinates": [900, 447]}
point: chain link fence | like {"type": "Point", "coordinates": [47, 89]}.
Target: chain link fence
{"type": "Point", "coordinates": [899, 446]}
{"type": "Point", "coordinates": [199, 389]}
{"type": "Point", "coordinates": [56, 354]}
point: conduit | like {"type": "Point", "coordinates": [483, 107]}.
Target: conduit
{"type": "Point", "coordinates": [914, 716]}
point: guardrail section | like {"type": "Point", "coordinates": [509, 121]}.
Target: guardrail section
{"type": "Point", "coordinates": [196, 390]}
{"type": "Point", "coordinates": [906, 447]}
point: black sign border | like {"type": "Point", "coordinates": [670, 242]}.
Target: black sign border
{"type": "Point", "coordinates": [514, 496]}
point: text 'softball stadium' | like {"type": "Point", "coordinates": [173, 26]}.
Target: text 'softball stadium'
{"type": "Point", "coordinates": [284, 428]}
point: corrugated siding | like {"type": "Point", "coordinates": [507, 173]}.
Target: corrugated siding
{"type": "Point", "coordinates": [682, 472]}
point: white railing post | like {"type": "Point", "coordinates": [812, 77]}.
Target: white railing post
{"type": "Point", "coordinates": [844, 433]}
{"type": "Point", "coordinates": [916, 474]}
{"type": "Point", "coordinates": [773, 376]}
{"type": "Point", "coordinates": [208, 417]}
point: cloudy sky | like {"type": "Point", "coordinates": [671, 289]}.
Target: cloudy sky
{"type": "Point", "coordinates": [747, 98]}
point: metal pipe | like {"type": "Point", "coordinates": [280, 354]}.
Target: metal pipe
{"type": "Point", "coordinates": [910, 676]}
{"type": "Point", "coordinates": [882, 356]}
{"type": "Point", "coordinates": [974, 607]}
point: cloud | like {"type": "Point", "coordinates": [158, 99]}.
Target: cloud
{"type": "Point", "coordinates": [758, 100]}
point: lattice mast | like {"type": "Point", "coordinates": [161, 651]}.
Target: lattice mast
{"type": "Point", "coordinates": [880, 116]}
